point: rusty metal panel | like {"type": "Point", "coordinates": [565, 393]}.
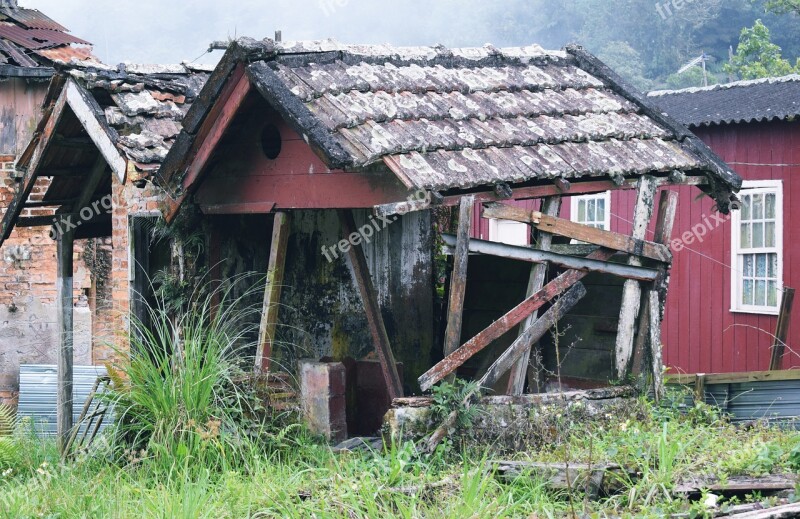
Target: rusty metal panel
{"type": "Point", "coordinates": [32, 18]}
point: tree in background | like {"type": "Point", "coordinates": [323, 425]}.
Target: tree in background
{"type": "Point", "coordinates": [783, 6]}
{"type": "Point", "coordinates": [757, 57]}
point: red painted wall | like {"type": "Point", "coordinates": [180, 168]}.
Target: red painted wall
{"type": "Point", "coordinates": [700, 333]}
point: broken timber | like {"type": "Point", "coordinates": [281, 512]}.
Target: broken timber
{"type": "Point", "coordinates": [782, 329]}
{"type": "Point", "coordinates": [632, 291]}
{"type": "Point", "coordinates": [272, 290]}
{"type": "Point", "coordinates": [571, 262]}
{"type": "Point", "coordinates": [502, 325]}
{"type": "Point", "coordinates": [596, 479]}
{"type": "Point", "coordinates": [532, 334]}
{"type": "Point", "coordinates": [458, 279]}
{"type": "Point", "coordinates": [580, 232]}
{"type": "Point", "coordinates": [369, 296]}
{"type": "Point", "coordinates": [516, 381]}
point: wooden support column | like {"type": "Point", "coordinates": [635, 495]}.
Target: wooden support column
{"type": "Point", "coordinates": [551, 206]}
{"type": "Point", "coordinates": [372, 308]}
{"type": "Point", "coordinates": [64, 306]}
{"type": "Point", "coordinates": [782, 330]}
{"type": "Point", "coordinates": [656, 358]}
{"type": "Point", "coordinates": [272, 290]}
{"type": "Point", "coordinates": [632, 291]}
{"type": "Point", "coordinates": [458, 278]}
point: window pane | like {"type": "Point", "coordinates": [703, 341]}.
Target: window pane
{"type": "Point", "coordinates": [772, 293]}
{"type": "Point", "coordinates": [581, 210]}
{"type": "Point", "coordinates": [601, 210]}
{"type": "Point", "coordinates": [747, 292]}
{"type": "Point", "coordinates": [745, 238]}
{"type": "Point", "coordinates": [748, 265]}
{"type": "Point", "coordinates": [590, 211]}
{"type": "Point", "coordinates": [758, 207]}
{"type": "Point", "coordinates": [761, 265]}
{"type": "Point", "coordinates": [770, 203]}
{"type": "Point", "coordinates": [773, 266]}
{"type": "Point", "coordinates": [761, 293]}
{"type": "Point", "coordinates": [745, 208]}
{"type": "Point", "coordinates": [758, 235]}
{"type": "Point", "coordinates": [769, 234]}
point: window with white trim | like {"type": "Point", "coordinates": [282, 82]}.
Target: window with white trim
{"type": "Point", "coordinates": [509, 232]}
{"type": "Point", "coordinates": [592, 210]}
{"type": "Point", "coordinates": [757, 248]}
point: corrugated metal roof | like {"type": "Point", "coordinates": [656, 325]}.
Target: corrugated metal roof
{"type": "Point", "coordinates": [33, 39]}
{"type": "Point", "coordinates": [37, 394]}
{"type": "Point", "coordinates": [739, 102]}
{"type": "Point", "coordinates": [32, 18]}
{"type": "Point", "coordinates": [66, 53]}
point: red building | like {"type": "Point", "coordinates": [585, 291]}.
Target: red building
{"type": "Point", "coordinates": [729, 272]}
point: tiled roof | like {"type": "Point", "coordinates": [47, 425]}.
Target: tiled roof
{"type": "Point", "coordinates": [147, 104]}
{"type": "Point", "coordinates": [458, 118]}
{"type": "Point", "coordinates": [739, 102]}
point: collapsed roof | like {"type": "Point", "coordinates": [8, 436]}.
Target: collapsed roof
{"type": "Point", "coordinates": [444, 119]}
{"type": "Point", "coordinates": [129, 114]}
{"type": "Point", "coordinates": [760, 100]}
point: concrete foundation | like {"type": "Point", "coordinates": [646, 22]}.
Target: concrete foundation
{"type": "Point", "coordinates": [323, 401]}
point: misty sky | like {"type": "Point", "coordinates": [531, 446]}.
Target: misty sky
{"type": "Point", "coordinates": [154, 31]}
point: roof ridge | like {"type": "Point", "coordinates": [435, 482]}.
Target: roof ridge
{"type": "Point", "coordinates": [724, 86]}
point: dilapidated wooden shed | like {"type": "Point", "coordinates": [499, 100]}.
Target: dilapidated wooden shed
{"type": "Point", "coordinates": [344, 157]}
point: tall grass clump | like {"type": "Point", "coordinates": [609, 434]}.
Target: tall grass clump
{"type": "Point", "coordinates": [178, 398]}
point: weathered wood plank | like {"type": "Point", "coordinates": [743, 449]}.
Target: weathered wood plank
{"type": "Point", "coordinates": [551, 206]}
{"type": "Point", "coordinates": [272, 290]}
{"type": "Point", "coordinates": [581, 477]}
{"type": "Point", "coordinates": [657, 361]}
{"type": "Point", "coordinates": [577, 231]}
{"type": "Point", "coordinates": [458, 277]}
{"type": "Point", "coordinates": [735, 378]}
{"type": "Point", "coordinates": [571, 262]}
{"type": "Point", "coordinates": [64, 302]}
{"type": "Point", "coordinates": [667, 209]}
{"type": "Point", "coordinates": [505, 323]}
{"type": "Point", "coordinates": [782, 329]}
{"type": "Point", "coordinates": [532, 334]}
{"type": "Point", "coordinates": [369, 296]}
{"type": "Point", "coordinates": [632, 291]}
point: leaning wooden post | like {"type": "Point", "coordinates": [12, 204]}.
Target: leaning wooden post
{"type": "Point", "coordinates": [516, 383]}
{"type": "Point", "coordinates": [64, 305]}
{"type": "Point", "coordinates": [782, 330]}
{"type": "Point", "coordinates": [458, 278]}
{"type": "Point", "coordinates": [272, 290]}
{"type": "Point", "coordinates": [632, 291]}
{"type": "Point", "coordinates": [369, 296]}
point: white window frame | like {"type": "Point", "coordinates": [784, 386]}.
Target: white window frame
{"type": "Point", "coordinates": [754, 187]}
{"type": "Point", "coordinates": [606, 196]}
{"type": "Point", "coordinates": [494, 224]}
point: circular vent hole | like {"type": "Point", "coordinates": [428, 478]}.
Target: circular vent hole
{"type": "Point", "coordinates": [271, 141]}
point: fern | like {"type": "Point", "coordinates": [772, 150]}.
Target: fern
{"type": "Point", "coordinates": [8, 420]}
{"type": "Point", "coordinates": [9, 446]}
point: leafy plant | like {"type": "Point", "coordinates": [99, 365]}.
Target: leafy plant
{"type": "Point", "coordinates": [455, 396]}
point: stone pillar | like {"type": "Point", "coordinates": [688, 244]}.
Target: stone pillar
{"type": "Point", "coordinates": [322, 389]}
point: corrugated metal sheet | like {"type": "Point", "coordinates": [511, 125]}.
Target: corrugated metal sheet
{"type": "Point", "coordinates": [772, 400]}
{"type": "Point", "coordinates": [37, 38]}
{"type": "Point", "coordinates": [37, 394]}
{"type": "Point", "coordinates": [32, 18]}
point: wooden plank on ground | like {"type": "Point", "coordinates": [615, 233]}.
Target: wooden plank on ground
{"type": "Point", "coordinates": [782, 329]}
{"type": "Point", "coordinates": [551, 206]}
{"type": "Point", "coordinates": [580, 232]}
{"type": "Point", "coordinates": [595, 479]}
{"type": "Point", "coordinates": [632, 292]}
{"type": "Point", "coordinates": [458, 277]}
{"type": "Point", "coordinates": [532, 334]}
{"type": "Point", "coordinates": [505, 323]}
{"type": "Point", "coordinates": [272, 290]}
{"type": "Point", "coordinates": [64, 305]}
{"type": "Point", "coordinates": [369, 296]}
{"type": "Point", "coordinates": [515, 252]}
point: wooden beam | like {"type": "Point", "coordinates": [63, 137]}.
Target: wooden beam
{"type": "Point", "coordinates": [234, 208]}
{"type": "Point", "coordinates": [632, 291]}
{"type": "Point", "coordinates": [580, 232]}
{"type": "Point", "coordinates": [64, 305]}
{"type": "Point", "coordinates": [551, 206]}
{"type": "Point", "coordinates": [369, 296]}
{"type": "Point", "coordinates": [272, 290]}
{"type": "Point", "coordinates": [486, 195]}
{"type": "Point", "coordinates": [782, 329]}
{"type": "Point", "coordinates": [72, 142]}
{"type": "Point", "coordinates": [458, 277]}
{"type": "Point", "coordinates": [538, 256]}
{"type": "Point", "coordinates": [667, 209]}
{"type": "Point", "coordinates": [505, 323]}
{"type": "Point", "coordinates": [63, 172]}
{"type": "Point", "coordinates": [47, 203]}
{"type": "Point", "coordinates": [532, 334]}
{"type": "Point", "coordinates": [736, 378]}
{"type": "Point", "coordinates": [656, 358]}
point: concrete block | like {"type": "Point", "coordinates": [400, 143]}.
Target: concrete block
{"type": "Point", "coordinates": [322, 390]}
